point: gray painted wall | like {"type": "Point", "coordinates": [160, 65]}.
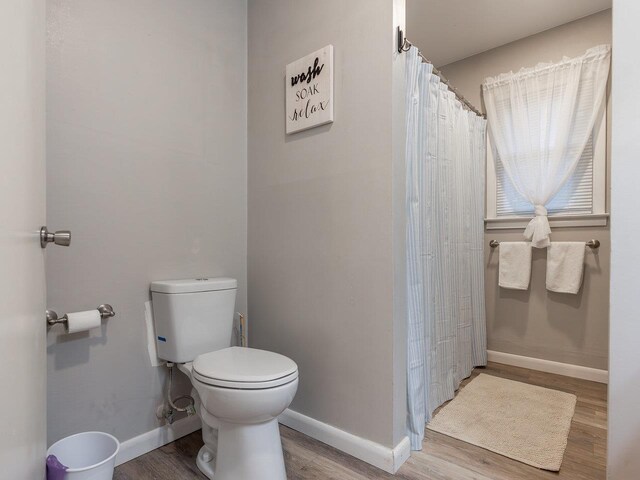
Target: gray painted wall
{"type": "Point", "coordinates": [146, 164]}
{"type": "Point", "coordinates": [565, 328]}
{"type": "Point", "coordinates": [321, 232]}
{"type": "Point", "coordinates": [400, 294]}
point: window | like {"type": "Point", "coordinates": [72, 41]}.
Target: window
{"type": "Point", "coordinates": [580, 202]}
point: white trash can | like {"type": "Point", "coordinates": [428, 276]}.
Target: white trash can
{"type": "Point", "coordinates": [87, 455]}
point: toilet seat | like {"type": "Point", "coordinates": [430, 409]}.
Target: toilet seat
{"type": "Point", "coordinates": [244, 369]}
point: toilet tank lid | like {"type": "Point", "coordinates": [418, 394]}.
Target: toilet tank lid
{"type": "Point", "coordinates": [194, 285]}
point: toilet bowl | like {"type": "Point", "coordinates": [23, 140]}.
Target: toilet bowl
{"type": "Point", "coordinates": [239, 392]}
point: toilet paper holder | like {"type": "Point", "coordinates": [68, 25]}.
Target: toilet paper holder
{"type": "Point", "coordinates": [105, 310]}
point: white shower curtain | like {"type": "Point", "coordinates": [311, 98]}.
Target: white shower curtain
{"type": "Point", "coordinates": [540, 120]}
{"type": "Point", "coordinates": [445, 155]}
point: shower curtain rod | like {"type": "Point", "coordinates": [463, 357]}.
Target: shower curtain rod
{"type": "Point", "coordinates": [404, 45]}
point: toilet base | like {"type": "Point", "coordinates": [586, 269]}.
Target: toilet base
{"type": "Point", "coordinates": [205, 461]}
{"type": "Point", "coordinates": [249, 452]}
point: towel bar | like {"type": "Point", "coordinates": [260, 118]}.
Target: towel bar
{"type": "Point", "coordinates": [593, 243]}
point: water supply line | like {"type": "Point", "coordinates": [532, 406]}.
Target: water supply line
{"type": "Point", "coordinates": [240, 330]}
{"type": "Point", "coordinates": [190, 408]}
{"type": "Point", "coordinates": [243, 330]}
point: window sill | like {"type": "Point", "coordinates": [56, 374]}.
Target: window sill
{"type": "Point", "coordinates": [508, 223]}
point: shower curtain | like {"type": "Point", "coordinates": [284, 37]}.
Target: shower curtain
{"type": "Point", "coordinates": [445, 155]}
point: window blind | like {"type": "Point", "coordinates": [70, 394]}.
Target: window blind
{"type": "Point", "coordinates": [575, 197]}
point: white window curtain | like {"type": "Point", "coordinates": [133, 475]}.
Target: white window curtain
{"type": "Point", "coordinates": [540, 120]}
{"type": "Point", "coordinates": [445, 155]}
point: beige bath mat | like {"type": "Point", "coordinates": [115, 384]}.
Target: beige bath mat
{"type": "Point", "coordinates": [520, 421]}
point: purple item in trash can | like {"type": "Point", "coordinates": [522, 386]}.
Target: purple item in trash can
{"type": "Point", "coordinates": [55, 470]}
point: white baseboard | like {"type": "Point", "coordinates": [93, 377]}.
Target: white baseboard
{"type": "Point", "coordinates": [576, 371]}
{"type": "Point", "coordinates": [385, 458]}
{"type": "Point", "coordinates": [156, 438]}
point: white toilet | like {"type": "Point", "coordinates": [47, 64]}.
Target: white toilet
{"type": "Point", "coordinates": [240, 391]}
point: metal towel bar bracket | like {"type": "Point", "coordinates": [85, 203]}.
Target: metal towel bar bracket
{"type": "Point", "coordinates": [593, 244]}
{"type": "Point", "coordinates": [105, 310]}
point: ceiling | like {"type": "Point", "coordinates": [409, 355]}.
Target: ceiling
{"type": "Point", "coordinates": [450, 30]}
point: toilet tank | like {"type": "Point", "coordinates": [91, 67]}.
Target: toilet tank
{"type": "Point", "coordinates": [193, 316]}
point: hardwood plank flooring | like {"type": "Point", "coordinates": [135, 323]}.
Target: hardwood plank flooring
{"type": "Point", "coordinates": [442, 457]}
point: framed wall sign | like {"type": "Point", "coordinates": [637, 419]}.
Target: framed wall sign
{"type": "Point", "coordinates": [309, 91]}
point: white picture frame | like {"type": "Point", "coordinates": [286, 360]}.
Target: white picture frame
{"type": "Point", "coordinates": [309, 91]}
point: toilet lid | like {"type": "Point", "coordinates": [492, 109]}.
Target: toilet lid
{"type": "Point", "coordinates": [238, 367]}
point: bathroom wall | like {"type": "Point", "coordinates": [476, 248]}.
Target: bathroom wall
{"type": "Point", "coordinates": [323, 238]}
{"type": "Point", "coordinates": [571, 329]}
{"type": "Point", "coordinates": [623, 461]}
{"type": "Point", "coordinates": [146, 165]}
{"type": "Point", "coordinates": [399, 206]}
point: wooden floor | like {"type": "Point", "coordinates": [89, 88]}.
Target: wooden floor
{"type": "Point", "coordinates": [442, 458]}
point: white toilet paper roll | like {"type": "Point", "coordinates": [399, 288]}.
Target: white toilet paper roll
{"type": "Point", "coordinates": [82, 321]}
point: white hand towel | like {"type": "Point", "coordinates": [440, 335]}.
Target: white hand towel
{"type": "Point", "coordinates": [515, 265]}
{"type": "Point", "coordinates": [565, 266]}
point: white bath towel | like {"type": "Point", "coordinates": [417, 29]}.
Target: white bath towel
{"type": "Point", "coordinates": [565, 266]}
{"type": "Point", "coordinates": [515, 265]}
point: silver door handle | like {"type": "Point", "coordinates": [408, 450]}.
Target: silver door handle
{"type": "Point", "coordinates": [61, 237]}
